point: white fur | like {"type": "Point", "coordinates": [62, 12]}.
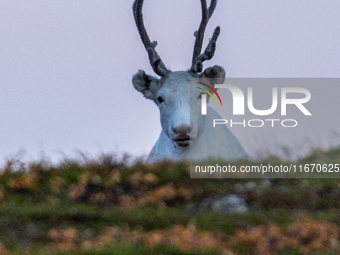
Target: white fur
{"type": "Point", "coordinates": [205, 141]}
{"type": "Point", "coordinates": [220, 143]}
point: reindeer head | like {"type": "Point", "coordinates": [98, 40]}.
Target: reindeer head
{"type": "Point", "coordinates": [172, 91]}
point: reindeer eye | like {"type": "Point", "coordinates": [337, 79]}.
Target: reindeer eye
{"type": "Point", "coordinates": [160, 100]}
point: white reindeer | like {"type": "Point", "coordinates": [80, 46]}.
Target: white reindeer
{"type": "Point", "coordinates": [181, 134]}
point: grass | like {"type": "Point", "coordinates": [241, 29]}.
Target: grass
{"type": "Point", "coordinates": [106, 206]}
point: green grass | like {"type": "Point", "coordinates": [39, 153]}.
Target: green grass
{"type": "Point", "coordinates": [37, 198]}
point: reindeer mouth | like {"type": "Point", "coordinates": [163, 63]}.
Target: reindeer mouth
{"type": "Point", "coordinates": [183, 142]}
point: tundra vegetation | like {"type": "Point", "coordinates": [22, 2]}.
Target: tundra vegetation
{"type": "Point", "coordinates": [109, 206]}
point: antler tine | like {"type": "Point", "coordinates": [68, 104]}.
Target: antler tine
{"type": "Point", "coordinates": [212, 7]}
{"type": "Point", "coordinates": [209, 51]}
{"type": "Point", "coordinates": [155, 61]}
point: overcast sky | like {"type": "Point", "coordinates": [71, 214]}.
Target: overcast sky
{"type": "Point", "coordinates": [66, 66]}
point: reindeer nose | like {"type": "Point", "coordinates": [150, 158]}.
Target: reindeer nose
{"type": "Point", "coordinates": [182, 130]}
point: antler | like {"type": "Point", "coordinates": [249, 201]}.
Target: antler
{"type": "Point", "coordinates": [155, 61]}
{"type": "Point", "coordinates": [198, 58]}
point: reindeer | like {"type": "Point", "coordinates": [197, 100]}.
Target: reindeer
{"type": "Point", "coordinates": [182, 135]}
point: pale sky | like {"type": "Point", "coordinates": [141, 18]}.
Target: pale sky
{"type": "Point", "coordinates": [66, 66]}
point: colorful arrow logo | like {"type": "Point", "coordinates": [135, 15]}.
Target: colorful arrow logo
{"type": "Point", "coordinates": [207, 91]}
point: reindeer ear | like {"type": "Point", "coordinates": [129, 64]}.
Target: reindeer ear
{"type": "Point", "coordinates": [213, 75]}
{"type": "Point", "coordinates": [146, 84]}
